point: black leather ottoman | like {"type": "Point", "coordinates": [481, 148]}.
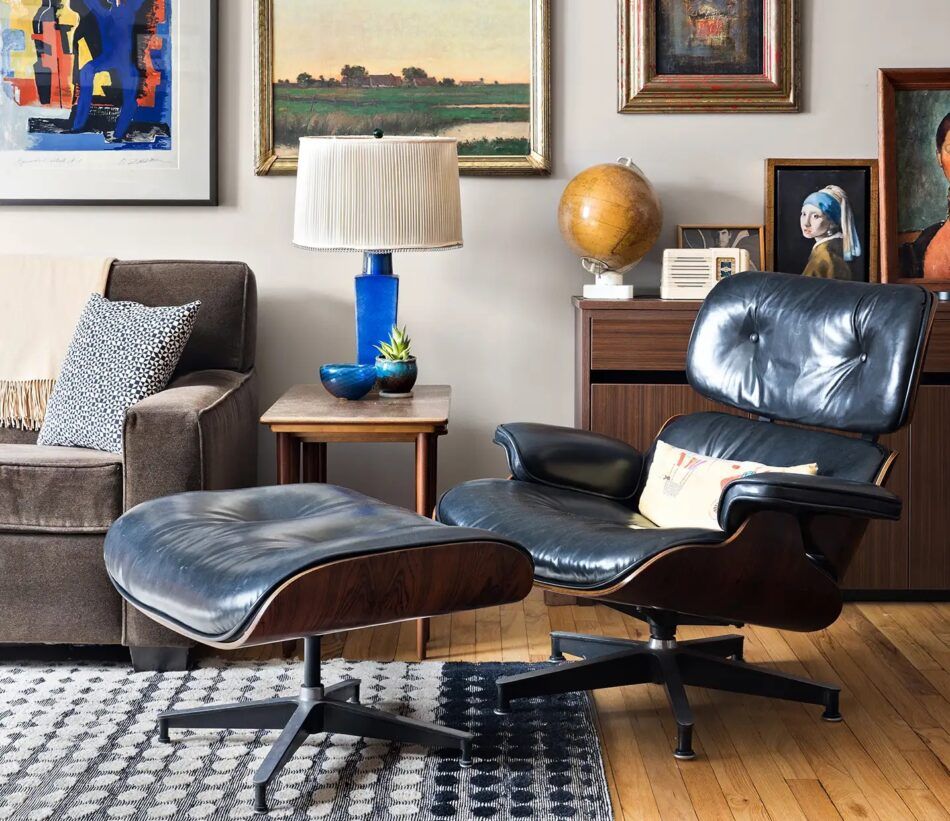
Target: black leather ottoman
{"type": "Point", "coordinates": [245, 567]}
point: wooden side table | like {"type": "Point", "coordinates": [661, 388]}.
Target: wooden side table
{"type": "Point", "coordinates": [307, 418]}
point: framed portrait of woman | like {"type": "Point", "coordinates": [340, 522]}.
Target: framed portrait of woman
{"type": "Point", "coordinates": [915, 175]}
{"type": "Point", "coordinates": [709, 55]}
{"type": "Point", "coordinates": [821, 218]}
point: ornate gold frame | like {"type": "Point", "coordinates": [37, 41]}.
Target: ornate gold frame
{"type": "Point", "coordinates": [267, 161]}
{"type": "Point", "coordinates": [874, 235]}
{"type": "Point", "coordinates": [643, 91]}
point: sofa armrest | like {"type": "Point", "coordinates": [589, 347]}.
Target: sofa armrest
{"type": "Point", "coordinates": [571, 459]}
{"type": "Point", "coordinates": [804, 495]}
{"type": "Point", "coordinates": [200, 433]}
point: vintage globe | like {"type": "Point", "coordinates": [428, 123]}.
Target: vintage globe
{"type": "Point", "coordinates": [610, 216]}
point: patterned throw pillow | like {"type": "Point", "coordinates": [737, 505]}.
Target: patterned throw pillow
{"type": "Point", "coordinates": [683, 488]}
{"type": "Point", "coordinates": [121, 353]}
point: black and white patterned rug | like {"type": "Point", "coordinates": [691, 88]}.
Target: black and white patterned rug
{"type": "Point", "coordinates": [77, 741]}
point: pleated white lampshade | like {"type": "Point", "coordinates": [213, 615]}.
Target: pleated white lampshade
{"type": "Point", "coordinates": [378, 195]}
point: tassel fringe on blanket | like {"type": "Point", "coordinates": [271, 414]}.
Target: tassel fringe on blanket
{"type": "Point", "coordinates": [23, 403]}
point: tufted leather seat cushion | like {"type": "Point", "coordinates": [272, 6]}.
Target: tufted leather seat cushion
{"type": "Point", "coordinates": [827, 353]}
{"type": "Point", "coordinates": [206, 561]}
{"type": "Point", "coordinates": [577, 540]}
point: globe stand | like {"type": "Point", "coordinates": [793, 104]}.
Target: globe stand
{"type": "Point", "coordinates": [607, 284]}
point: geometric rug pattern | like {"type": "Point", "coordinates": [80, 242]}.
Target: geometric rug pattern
{"type": "Point", "coordinates": [78, 741]}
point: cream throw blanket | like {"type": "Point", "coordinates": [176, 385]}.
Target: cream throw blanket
{"type": "Point", "coordinates": [41, 299]}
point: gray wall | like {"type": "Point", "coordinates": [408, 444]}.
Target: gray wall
{"type": "Point", "coordinates": [494, 319]}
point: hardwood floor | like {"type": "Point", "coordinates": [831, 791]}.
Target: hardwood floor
{"type": "Point", "coordinates": [757, 759]}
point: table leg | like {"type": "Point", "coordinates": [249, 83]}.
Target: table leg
{"type": "Point", "coordinates": [315, 462]}
{"type": "Point", "coordinates": [288, 459]}
{"type": "Point", "coordinates": [426, 473]}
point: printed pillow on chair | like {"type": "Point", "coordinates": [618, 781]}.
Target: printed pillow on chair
{"type": "Point", "coordinates": [121, 353]}
{"type": "Point", "coordinates": [683, 488]}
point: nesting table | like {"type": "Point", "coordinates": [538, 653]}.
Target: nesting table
{"type": "Point", "coordinates": [307, 418]}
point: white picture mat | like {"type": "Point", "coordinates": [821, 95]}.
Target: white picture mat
{"type": "Point", "coordinates": [183, 173]}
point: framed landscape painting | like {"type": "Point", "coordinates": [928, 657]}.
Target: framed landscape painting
{"type": "Point", "coordinates": [915, 175]}
{"type": "Point", "coordinates": [709, 55]}
{"type": "Point", "coordinates": [108, 103]}
{"type": "Point", "coordinates": [476, 70]}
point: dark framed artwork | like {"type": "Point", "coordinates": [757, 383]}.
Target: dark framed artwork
{"type": "Point", "coordinates": [475, 70]}
{"type": "Point", "coordinates": [747, 237]}
{"type": "Point", "coordinates": [821, 218]}
{"type": "Point", "coordinates": [709, 55]}
{"type": "Point", "coordinates": [108, 103]}
{"type": "Point", "coordinates": [915, 175]}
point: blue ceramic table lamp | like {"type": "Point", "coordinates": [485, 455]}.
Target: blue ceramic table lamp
{"type": "Point", "coordinates": [377, 195]}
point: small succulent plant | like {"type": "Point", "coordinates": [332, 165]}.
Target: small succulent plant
{"type": "Point", "coordinates": [399, 347]}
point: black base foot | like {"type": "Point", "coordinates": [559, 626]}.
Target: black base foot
{"type": "Point", "coordinates": [317, 710]}
{"type": "Point", "coordinates": [159, 659]}
{"type": "Point", "coordinates": [713, 663]}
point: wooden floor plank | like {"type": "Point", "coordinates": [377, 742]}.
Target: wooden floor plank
{"type": "Point", "coordinates": [924, 805]}
{"type": "Point", "coordinates": [813, 799]}
{"type": "Point", "coordinates": [488, 634]}
{"type": "Point", "coordinates": [514, 632]}
{"type": "Point", "coordinates": [537, 626]}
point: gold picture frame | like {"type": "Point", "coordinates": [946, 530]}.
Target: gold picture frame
{"type": "Point", "coordinates": [644, 90]}
{"type": "Point", "coordinates": [681, 231]}
{"type": "Point", "coordinates": [268, 160]}
{"type": "Point", "coordinates": [821, 167]}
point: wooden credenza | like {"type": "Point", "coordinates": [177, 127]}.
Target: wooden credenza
{"type": "Point", "coordinates": [630, 379]}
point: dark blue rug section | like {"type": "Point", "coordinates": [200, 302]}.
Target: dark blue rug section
{"type": "Point", "coordinates": [541, 761]}
{"type": "Point", "coordinates": [78, 741]}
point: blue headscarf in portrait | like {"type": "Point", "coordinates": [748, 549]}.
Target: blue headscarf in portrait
{"type": "Point", "coordinates": [833, 202]}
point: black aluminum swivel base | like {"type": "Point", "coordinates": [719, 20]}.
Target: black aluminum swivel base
{"type": "Point", "coordinates": [317, 709]}
{"type": "Point", "coordinates": [715, 663]}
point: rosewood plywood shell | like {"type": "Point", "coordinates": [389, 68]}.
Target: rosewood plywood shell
{"type": "Point", "coordinates": [389, 587]}
{"type": "Point", "coordinates": [760, 575]}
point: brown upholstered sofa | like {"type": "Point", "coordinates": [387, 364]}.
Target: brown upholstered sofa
{"type": "Point", "coordinates": [56, 504]}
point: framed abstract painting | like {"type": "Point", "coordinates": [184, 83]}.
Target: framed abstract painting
{"type": "Point", "coordinates": [821, 218]}
{"type": "Point", "coordinates": [709, 55]}
{"type": "Point", "coordinates": [915, 175]}
{"type": "Point", "coordinates": [476, 70]}
{"type": "Point", "coordinates": [108, 103]}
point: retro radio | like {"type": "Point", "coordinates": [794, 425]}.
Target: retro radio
{"type": "Point", "coordinates": [692, 273]}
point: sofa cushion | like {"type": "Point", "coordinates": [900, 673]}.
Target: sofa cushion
{"type": "Point", "coordinates": [58, 490]}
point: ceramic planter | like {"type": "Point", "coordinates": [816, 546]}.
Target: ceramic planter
{"type": "Point", "coordinates": [396, 378]}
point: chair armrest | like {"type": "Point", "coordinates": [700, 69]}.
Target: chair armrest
{"type": "Point", "coordinates": [571, 459]}
{"type": "Point", "coordinates": [200, 433]}
{"type": "Point", "coordinates": [806, 496]}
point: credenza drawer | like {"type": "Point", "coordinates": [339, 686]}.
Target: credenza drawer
{"type": "Point", "coordinates": [640, 341]}
{"type": "Point", "coordinates": [938, 351]}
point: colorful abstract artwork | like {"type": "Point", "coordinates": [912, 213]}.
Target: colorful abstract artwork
{"type": "Point", "coordinates": [86, 75]}
{"type": "Point", "coordinates": [471, 69]}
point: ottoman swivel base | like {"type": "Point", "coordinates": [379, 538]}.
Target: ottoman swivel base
{"type": "Point", "coordinates": [317, 709]}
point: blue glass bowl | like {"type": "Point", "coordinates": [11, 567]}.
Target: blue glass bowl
{"type": "Point", "coordinates": [348, 381]}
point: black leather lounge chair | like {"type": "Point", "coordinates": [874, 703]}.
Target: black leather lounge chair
{"type": "Point", "coordinates": [841, 358]}
{"type": "Point", "coordinates": [244, 567]}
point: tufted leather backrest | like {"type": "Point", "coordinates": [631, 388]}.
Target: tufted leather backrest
{"type": "Point", "coordinates": [827, 353]}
